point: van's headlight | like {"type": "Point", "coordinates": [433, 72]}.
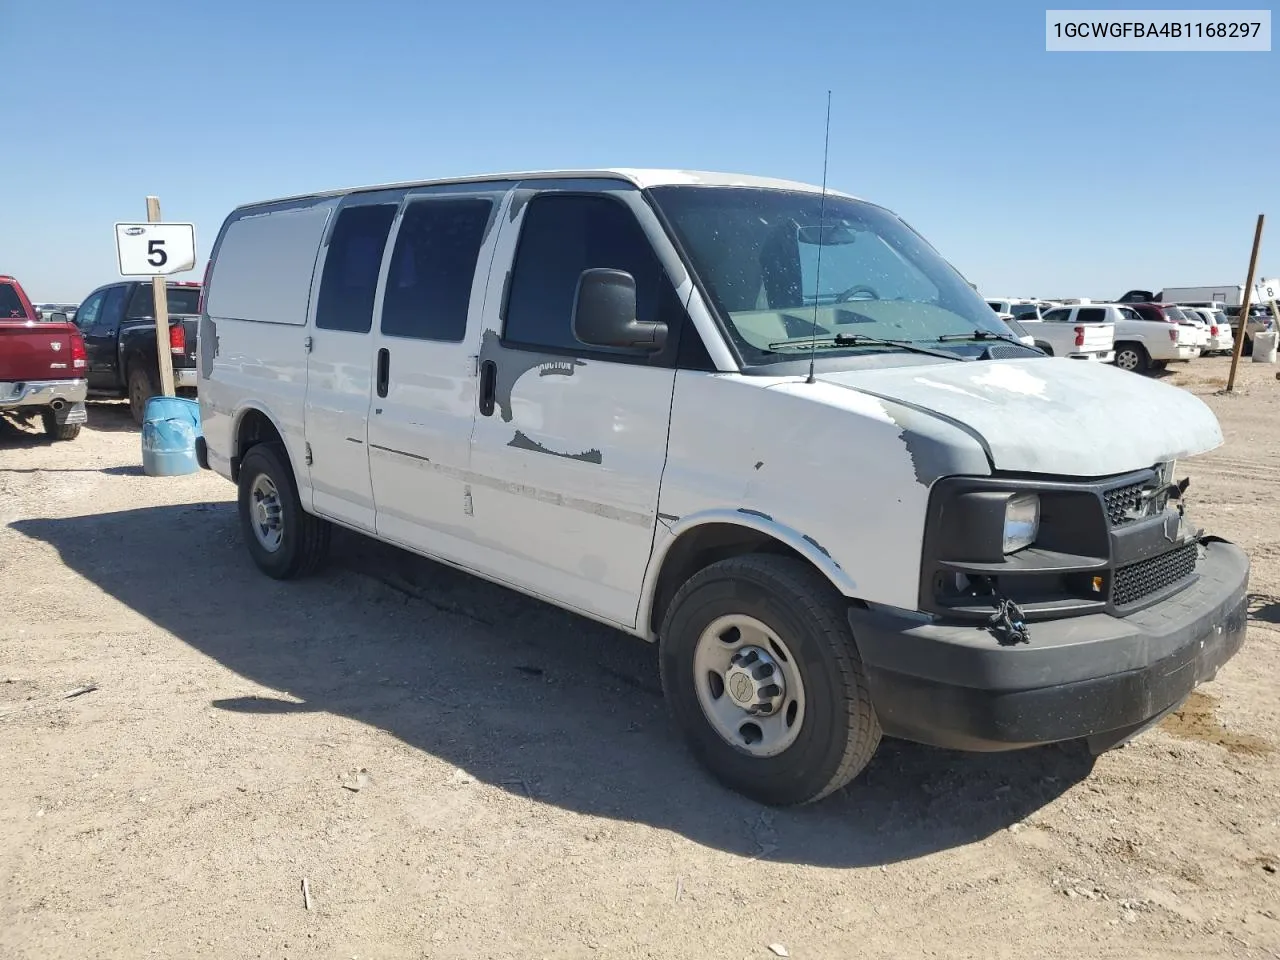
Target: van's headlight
{"type": "Point", "coordinates": [1021, 521]}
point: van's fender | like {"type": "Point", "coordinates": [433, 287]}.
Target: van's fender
{"type": "Point", "coordinates": [295, 444]}
{"type": "Point", "coordinates": [669, 532]}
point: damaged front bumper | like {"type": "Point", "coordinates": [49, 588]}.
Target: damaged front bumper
{"type": "Point", "coordinates": [1095, 676]}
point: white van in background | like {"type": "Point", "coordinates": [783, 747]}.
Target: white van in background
{"type": "Point", "coordinates": [840, 508]}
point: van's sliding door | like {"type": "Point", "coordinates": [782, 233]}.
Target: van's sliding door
{"type": "Point", "coordinates": [425, 345]}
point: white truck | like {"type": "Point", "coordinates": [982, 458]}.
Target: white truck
{"type": "Point", "coordinates": [840, 509]}
{"type": "Point", "coordinates": [1081, 332]}
{"type": "Point", "coordinates": [1140, 345]}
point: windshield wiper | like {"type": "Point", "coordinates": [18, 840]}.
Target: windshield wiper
{"type": "Point", "coordinates": [983, 335]}
{"type": "Point", "coordinates": [862, 340]}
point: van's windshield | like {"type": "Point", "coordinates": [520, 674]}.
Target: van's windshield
{"type": "Point", "coordinates": [771, 260]}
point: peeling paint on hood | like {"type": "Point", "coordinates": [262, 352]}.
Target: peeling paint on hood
{"type": "Point", "coordinates": [1051, 415]}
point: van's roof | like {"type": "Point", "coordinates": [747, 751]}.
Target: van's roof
{"type": "Point", "coordinates": [641, 178]}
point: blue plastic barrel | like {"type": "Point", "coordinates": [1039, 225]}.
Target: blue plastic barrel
{"type": "Point", "coordinates": [170, 426]}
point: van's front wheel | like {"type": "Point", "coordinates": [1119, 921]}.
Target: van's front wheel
{"type": "Point", "coordinates": [284, 540]}
{"type": "Point", "coordinates": [762, 675]}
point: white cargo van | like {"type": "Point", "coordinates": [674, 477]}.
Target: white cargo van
{"type": "Point", "coordinates": [774, 432]}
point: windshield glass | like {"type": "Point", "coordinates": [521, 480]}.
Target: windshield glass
{"type": "Point", "coordinates": [756, 252]}
{"type": "Point", "coordinates": [1025, 311]}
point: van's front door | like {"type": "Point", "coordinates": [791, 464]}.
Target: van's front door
{"type": "Point", "coordinates": [570, 441]}
{"type": "Point", "coordinates": [340, 359]}
{"type": "Point", "coordinates": [424, 396]}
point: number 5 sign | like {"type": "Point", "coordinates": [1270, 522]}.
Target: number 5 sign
{"type": "Point", "coordinates": [155, 249]}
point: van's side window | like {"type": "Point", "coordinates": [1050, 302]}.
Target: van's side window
{"type": "Point", "coordinates": [1091, 315]}
{"type": "Point", "coordinates": [432, 269]}
{"type": "Point", "coordinates": [563, 235]}
{"type": "Point", "coordinates": [351, 267]}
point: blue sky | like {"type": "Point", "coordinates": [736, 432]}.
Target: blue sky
{"type": "Point", "coordinates": [1035, 173]}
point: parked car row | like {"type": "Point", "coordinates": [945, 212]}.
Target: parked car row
{"type": "Point", "coordinates": [52, 360]}
{"type": "Point", "coordinates": [1222, 301]}
{"type": "Point", "coordinates": [45, 311]}
{"type": "Point", "coordinates": [1134, 335]}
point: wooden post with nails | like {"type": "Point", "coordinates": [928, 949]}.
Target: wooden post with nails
{"type": "Point", "coordinates": [160, 297]}
{"type": "Point", "coordinates": [1244, 305]}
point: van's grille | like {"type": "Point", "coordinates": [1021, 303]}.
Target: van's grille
{"type": "Point", "coordinates": [1123, 504]}
{"type": "Point", "coordinates": [1141, 579]}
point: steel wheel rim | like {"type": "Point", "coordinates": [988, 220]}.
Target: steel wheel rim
{"type": "Point", "coordinates": [266, 513]}
{"type": "Point", "coordinates": [1127, 360]}
{"type": "Point", "coordinates": [722, 686]}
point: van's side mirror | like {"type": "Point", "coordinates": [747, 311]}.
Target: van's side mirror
{"type": "Point", "coordinates": [58, 317]}
{"type": "Point", "coordinates": [604, 312]}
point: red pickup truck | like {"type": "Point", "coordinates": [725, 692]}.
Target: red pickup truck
{"type": "Point", "coordinates": [43, 365]}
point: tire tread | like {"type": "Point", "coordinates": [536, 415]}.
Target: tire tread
{"type": "Point", "coordinates": [792, 577]}
{"type": "Point", "coordinates": [312, 534]}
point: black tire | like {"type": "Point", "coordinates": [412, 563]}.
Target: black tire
{"type": "Point", "coordinates": [58, 431]}
{"type": "Point", "coordinates": [304, 541]}
{"type": "Point", "coordinates": [143, 383]}
{"type": "Point", "coordinates": [1136, 359]}
{"type": "Point", "coordinates": [1158, 365]}
{"type": "Point", "coordinates": [839, 731]}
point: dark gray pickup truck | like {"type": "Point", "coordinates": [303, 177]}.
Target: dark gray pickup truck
{"type": "Point", "coordinates": [119, 328]}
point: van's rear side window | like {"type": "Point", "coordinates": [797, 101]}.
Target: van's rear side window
{"type": "Point", "coordinates": [351, 267]}
{"type": "Point", "coordinates": [432, 269]}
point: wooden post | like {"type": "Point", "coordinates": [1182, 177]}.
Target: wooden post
{"type": "Point", "coordinates": [160, 295]}
{"type": "Point", "coordinates": [1244, 306]}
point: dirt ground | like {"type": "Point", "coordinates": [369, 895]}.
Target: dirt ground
{"type": "Point", "coordinates": [457, 771]}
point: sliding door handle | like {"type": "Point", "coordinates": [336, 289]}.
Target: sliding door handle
{"type": "Point", "coordinates": [384, 371]}
{"type": "Point", "coordinates": [488, 385]}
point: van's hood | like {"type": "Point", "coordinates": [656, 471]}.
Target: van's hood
{"type": "Point", "coordinates": [1074, 418]}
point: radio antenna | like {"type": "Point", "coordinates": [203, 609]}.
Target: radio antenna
{"type": "Point", "coordinates": [822, 224]}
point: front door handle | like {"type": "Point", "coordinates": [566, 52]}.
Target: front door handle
{"type": "Point", "coordinates": [488, 383]}
{"type": "Point", "coordinates": [384, 371]}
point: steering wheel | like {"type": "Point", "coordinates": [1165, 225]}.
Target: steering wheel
{"type": "Point", "coordinates": [849, 294]}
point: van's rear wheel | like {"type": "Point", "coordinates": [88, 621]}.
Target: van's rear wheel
{"type": "Point", "coordinates": [761, 673]}
{"type": "Point", "coordinates": [284, 540]}
{"type": "Point", "coordinates": [1132, 356]}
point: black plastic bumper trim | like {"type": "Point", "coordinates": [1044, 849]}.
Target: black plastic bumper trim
{"type": "Point", "coordinates": [1077, 677]}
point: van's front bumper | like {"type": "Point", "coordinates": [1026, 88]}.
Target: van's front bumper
{"type": "Point", "coordinates": [1094, 676]}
